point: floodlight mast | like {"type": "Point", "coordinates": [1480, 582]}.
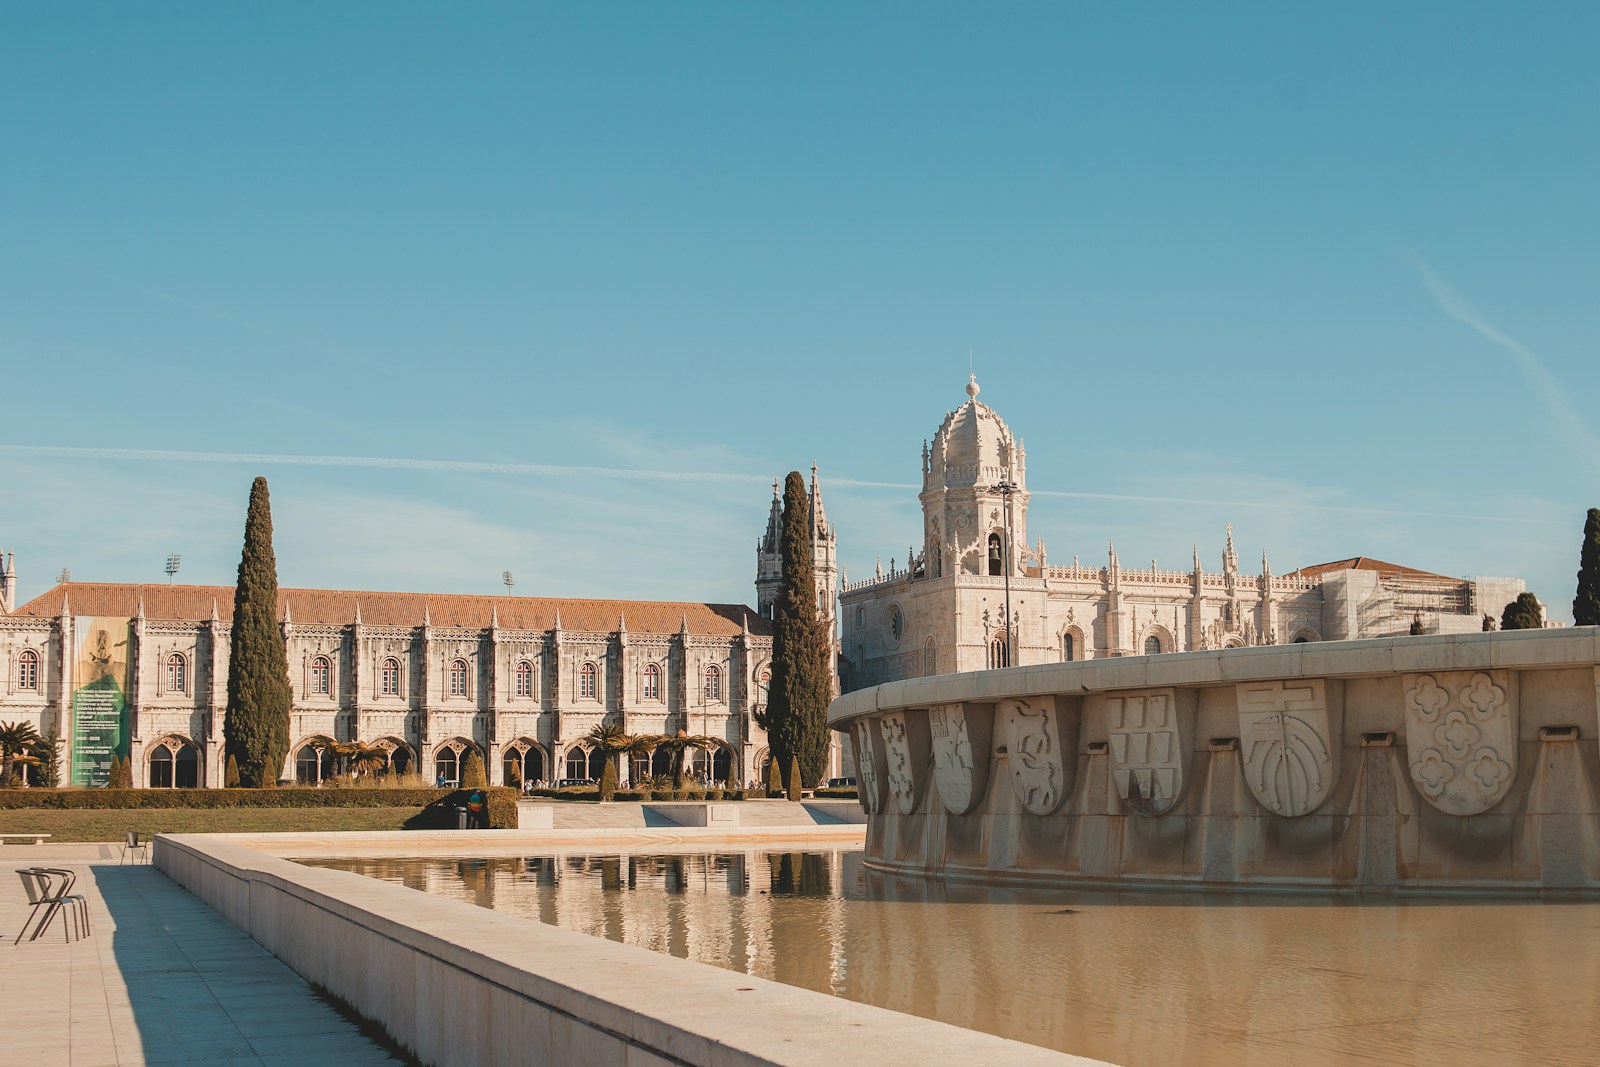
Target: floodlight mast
{"type": "Point", "coordinates": [174, 563]}
{"type": "Point", "coordinates": [505, 577]}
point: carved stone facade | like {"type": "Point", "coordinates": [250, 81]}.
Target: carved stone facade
{"type": "Point", "coordinates": [1378, 765]}
{"type": "Point", "coordinates": [427, 677]}
{"type": "Point", "coordinates": [942, 610]}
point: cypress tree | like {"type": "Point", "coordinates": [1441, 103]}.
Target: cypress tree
{"type": "Point", "coordinates": [1586, 605]}
{"type": "Point", "coordinates": [1523, 613]}
{"type": "Point", "coordinates": [774, 779]}
{"type": "Point", "coordinates": [472, 772]}
{"type": "Point", "coordinates": [230, 774]}
{"type": "Point", "coordinates": [796, 718]}
{"type": "Point", "coordinates": [256, 733]}
{"type": "Point", "coordinates": [794, 780]}
{"type": "Point", "coordinates": [608, 781]}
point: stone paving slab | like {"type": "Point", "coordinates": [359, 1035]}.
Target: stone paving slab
{"type": "Point", "coordinates": [163, 979]}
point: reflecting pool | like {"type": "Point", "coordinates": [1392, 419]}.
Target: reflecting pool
{"type": "Point", "coordinates": [1134, 978]}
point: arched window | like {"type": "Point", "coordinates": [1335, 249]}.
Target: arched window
{"type": "Point", "coordinates": [321, 671]}
{"type": "Point", "coordinates": [713, 683]}
{"type": "Point", "coordinates": [524, 687]}
{"type": "Point", "coordinates": [651, 689]}
{"type": "Point", "coordinates": [458, 678]}
{"type": "Point", "coordinates": [1302, 639]}
{"type": "Point", "coordinates": [577, 762]}
{"type": "Point", "coordinates": [930, 658]}
{"type": "Point", "coordinates": [1069, 647]}
{"type": "Point", "coordinates": [586, 677]}
{"type": "Point", "coordinates": [400, 759]}
{"type": "Point", "coordinates": [763, 685]}
{"type": "Point", "coordinates": [524, 762]}
{"type": "Point", "coordinates": [447, 762]}
{"type": "Point", "coordinates": [1152, 645]}
{"type": "Point", "coordinates": [313, 764]}
{"type": "Point", "coordinates": [177, 673]}
{"type": "Point", "coordinates": [28, 671]}
{"type": "Point", "coordinates": [996, 556]}
{"type": "Point", "coordinates": [174, 764]}
{"type": "Point", "coordinates": [390, 677]}
{"type": "Point", "coordinates": [999, 652]}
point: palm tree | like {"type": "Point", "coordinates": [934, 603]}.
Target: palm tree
{"type": "Point", "coordinates": [676, 745]}
{"type": "Point", "coordinates": [615, 742]}
{"type": "Point", "coordinates": [16, 739]}
{"type": "Point", "coordinates": [354, 757]}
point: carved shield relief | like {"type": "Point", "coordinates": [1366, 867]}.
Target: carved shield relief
{"type": "Point", "coordinates": [960, 735]}
{"type": "Point", "coordinates": [905, 752]}
{"type": "Point", "coordinates": [869, 781]}
{"type": "Point", "coordinates": [1461, 736]}
{"type": "Point", "coordinates": [1038, 765]}
{"type": "Point", "coordinates": [1288, 742]}
{"type": "Point", "coordinates": [1148, 749]}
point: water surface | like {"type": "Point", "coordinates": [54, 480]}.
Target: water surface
{"type": "Point", "coordinates": [1134, 978]}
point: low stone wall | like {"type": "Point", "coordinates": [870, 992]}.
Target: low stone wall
{"type": "Point", "coordinates": [458, 984]}
{"type": "Point", "coordinates": [1465, 762]}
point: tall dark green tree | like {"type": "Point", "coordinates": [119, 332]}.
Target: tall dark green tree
{"type": "Point", "coordinates": [1586, 605]}
{"type": "Point", "coordinates": [1523, 613]}
{"type": "Point", "coordinates": [256, 734]}
{"type": "Point", "coordinates": [796, 717]}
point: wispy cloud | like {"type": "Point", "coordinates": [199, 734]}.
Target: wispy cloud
{"type": "Point", "coordinates": [455, 466]}
{"type": "Point", "coordinates": [1563, 416]}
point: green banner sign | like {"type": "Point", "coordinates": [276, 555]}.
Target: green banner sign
{"type": "Point", "coordinates": [100, 675]}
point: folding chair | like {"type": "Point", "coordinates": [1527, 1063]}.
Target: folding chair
{"type": "Point", "coordinates": [133, 845]}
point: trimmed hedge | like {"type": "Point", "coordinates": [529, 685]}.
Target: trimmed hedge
{"type": "Point", "coordinates": [437, 806]}
{"type": "Point", "coordinates": [835, 794]}
{"type": "Point", "coordinates": [590, 793]}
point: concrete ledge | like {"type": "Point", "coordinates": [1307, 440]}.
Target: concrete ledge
{"type": "Point", "coordinates": [458, 984]}
{"type": "Point", "coordinates": [691, 813]}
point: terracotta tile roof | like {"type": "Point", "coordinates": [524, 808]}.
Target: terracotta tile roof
{"type": "Point", "coordinates": [1367, 563]}
{"type": "Point", "coordinates": [338, 606]}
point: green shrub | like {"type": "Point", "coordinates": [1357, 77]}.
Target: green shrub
{"type": "Point", "coordinates": [440, 813]}
{"type": "Point", "coordinates": [121, 776]}
{"type": "Point", "coordinates": [774, 782]}
{"type": "Point", "coordinates": [836, 794]}
{"type": "Point", "coordinates": [287, 797]}
{"type": "Point", "coordinates": [472, 775]}
{"type": "Point", "coordinates": [608, 781]}
{"type": "Point", "coordinates": [230, 775]}
{"type": "Point", "coordinates": [794, 779]}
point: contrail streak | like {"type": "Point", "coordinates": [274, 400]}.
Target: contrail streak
{"type": "Point", "coordinates": [458, 466]}
{"type": "Point", "coordinates": [1548, 390]}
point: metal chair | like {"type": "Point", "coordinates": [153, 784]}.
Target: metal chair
{"type": "Point", "coordinates": [37, 883]}
{"type": "Point", "coordinates": [63, 892]}
{"type": "Point", "coordinates": [133, 845]}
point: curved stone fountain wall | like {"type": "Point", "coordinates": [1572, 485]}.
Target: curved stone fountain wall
{"type": "Point", "coordinates": [1414, 763]}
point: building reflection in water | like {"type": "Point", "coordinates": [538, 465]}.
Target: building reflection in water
{"type": "Point", "coordinates": [1131, 978]}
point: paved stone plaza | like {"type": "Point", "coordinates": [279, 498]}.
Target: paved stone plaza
{"type": "Point", "coordinates": [162, 980]}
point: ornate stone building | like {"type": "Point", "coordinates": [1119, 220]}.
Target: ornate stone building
{"type": "Point", "coordinates": [519, 680]}
{"type": "Point", "coordinates": [944, 611]}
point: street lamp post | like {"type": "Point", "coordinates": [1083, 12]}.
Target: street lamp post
{"type": "Point", "coordinates": [1005, 487]}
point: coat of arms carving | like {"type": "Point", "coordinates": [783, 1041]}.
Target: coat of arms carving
{"type": "Point", "coordinates": [961, 743]}
{"type": "Point", "coordinates": [1461, 734]}
{"type": "Point", "coordinates": [1037, 763]}
{"type": "Point", "coordinates": [1147, 750]}
{"type": "Point", "coordinates": [865, 745]}
{"type": "Point", "coordinates": [1288, 743]}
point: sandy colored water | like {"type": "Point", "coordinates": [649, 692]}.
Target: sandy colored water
{"type": "Point", "coordinates": [1148, 978]}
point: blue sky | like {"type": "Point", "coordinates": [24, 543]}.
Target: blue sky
{"type": "Point", "coordinates": [1329, 275]}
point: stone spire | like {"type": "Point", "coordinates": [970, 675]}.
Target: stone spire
{"type": "Point", "coordinates": [8, 584]}
{"type": "Point", "coordinates": [216, 617]}
{"type": "Point", "coordinates": [819, 518]}
{"type": "Point", "coordinates": [769, 542]}
{"type": "Point", "coordinates": [140, 613]}
{"type": "Point", "coordinates": [1230, 558]}
{"type": "Point", "coordinates": [494, 616]}
{"type": "Point", "coordinates": [1197, 568]}
{"type": "Point", "coordinates": [358, 611]}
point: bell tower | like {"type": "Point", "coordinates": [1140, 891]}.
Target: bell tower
{"type": "Point", "coordinates": [972, 471]}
